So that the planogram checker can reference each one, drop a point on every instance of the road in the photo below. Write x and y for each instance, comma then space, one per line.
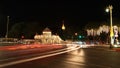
95, 57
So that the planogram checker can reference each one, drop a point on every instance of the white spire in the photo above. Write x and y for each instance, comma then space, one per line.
63, 26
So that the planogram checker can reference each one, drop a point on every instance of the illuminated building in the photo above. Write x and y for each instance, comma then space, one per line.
47, 37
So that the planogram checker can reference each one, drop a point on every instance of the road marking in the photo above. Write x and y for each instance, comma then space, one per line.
35, 58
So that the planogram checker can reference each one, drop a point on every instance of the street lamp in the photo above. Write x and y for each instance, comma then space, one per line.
109, 9
6, 36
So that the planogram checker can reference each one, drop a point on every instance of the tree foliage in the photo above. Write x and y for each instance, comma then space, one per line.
28, 30
103, 37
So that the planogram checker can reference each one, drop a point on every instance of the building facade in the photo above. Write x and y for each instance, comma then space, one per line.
47, 37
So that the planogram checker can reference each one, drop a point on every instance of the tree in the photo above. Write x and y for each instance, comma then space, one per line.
28, 30
17, 30
31, 29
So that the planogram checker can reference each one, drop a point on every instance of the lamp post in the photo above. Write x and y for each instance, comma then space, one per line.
6, 36
109, 9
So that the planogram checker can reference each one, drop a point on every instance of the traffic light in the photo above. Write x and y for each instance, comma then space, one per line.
80, 36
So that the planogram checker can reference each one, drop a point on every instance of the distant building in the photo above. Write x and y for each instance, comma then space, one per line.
47, 37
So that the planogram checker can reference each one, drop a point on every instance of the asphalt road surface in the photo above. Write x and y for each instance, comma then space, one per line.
95, 57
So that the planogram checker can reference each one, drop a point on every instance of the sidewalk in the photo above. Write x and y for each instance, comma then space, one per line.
112, 49
107, 47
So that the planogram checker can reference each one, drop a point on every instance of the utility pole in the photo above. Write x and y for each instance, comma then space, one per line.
7, 27
109, 9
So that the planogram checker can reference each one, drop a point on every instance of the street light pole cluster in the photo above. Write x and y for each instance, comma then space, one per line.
109, 9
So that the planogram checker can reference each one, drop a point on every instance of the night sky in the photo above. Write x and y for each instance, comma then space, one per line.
51, 13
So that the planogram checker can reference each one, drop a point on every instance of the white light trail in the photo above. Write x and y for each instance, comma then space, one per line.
35, 58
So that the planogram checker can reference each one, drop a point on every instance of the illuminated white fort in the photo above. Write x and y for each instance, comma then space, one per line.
47, 37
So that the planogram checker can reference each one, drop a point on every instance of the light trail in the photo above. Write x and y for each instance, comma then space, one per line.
35, 58
13, 58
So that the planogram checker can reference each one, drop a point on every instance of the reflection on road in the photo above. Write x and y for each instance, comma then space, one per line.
26, 58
